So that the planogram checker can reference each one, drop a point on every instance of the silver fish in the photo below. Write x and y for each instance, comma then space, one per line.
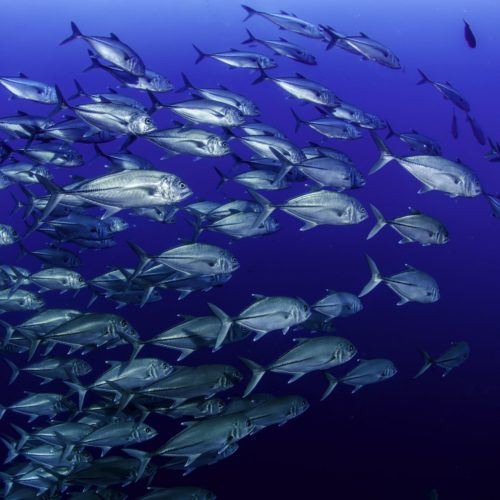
453, 357
434, 172
411, 285
338, 304
308, 355
447, 91
238, 59
415, 227
112, 49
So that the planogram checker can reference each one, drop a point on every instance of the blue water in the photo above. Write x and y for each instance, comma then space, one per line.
396, 440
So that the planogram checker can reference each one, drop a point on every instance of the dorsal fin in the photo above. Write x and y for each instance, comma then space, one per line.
23, 75
299, 75
364, 35
114, 37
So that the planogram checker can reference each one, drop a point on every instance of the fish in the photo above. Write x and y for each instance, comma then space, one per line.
238, 59
300, 87
120, 190
242, 225
223, 95
54, 278
75, 130
368, 48
208, 112
333, 128
476, 130
20, 300
124, 160
111, 49
274, 148
24, 126
267, 314
284, 48
61, 155
23, 87
257, 180
453, 357
410, 285
8, 235
324, 207
259, 128
308, 355
40, 404
447, 91
366, 372
187, 140
436, 173
354, 115
417, 142
338, 304
469, 35
288, 22
53, 256
415, 227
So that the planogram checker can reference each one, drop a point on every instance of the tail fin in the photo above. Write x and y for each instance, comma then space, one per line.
298, 120
143, 456
257, 374
250, 39
226, 323
56, 194
9, 330
223, 178
14, 368
332, 383
79, 91
381, 222
374, 280
263, 76
94, 63
13, 452
334, 36
385, 155
156, 104
187, 84
75, 33
390, 132
424, 78
428, 362
80, 389
267, 207
250, 12
144, 258
201, 54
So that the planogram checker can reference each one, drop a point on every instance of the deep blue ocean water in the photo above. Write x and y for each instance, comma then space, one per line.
396, 440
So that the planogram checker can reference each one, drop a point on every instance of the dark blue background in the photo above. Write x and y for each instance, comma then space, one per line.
396, 440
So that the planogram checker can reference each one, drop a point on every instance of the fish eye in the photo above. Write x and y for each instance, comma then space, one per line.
182, 185
148, 429
351, 348
233, 260
306, 307
80, 279
123, 322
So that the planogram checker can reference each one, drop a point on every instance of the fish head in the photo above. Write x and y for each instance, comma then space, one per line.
80, 367
39, 170
327, 97
389, 371
172, 189
72, 158
143, 432
76, 281
230, 377
353, 132
431, 293
135, 66
49, 95
357, 179
298, 406
4, 181
442, 236
159, 83
8, 235
248, 108
122, 327
31, 301
392, 60
265, 62
158, 369
242, 426
141, 123
212, 406
472, 186
300, 310
233, 117
344, 351
116, 224
271, 225
356, 212
225, 263
217, 146
307, 58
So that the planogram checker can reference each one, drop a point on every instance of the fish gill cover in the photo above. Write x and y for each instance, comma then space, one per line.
183, 186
